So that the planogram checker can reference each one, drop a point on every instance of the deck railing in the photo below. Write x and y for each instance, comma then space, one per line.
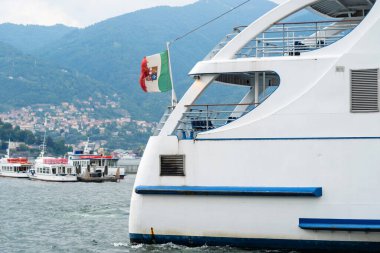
163, 120
204, 117
291, 39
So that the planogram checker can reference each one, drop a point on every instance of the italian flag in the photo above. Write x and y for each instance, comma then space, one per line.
155, 73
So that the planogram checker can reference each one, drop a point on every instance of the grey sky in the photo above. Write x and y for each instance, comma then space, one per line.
77, 13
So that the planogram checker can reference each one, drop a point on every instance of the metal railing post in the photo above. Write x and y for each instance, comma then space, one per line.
283, 39
207, 117
316, 35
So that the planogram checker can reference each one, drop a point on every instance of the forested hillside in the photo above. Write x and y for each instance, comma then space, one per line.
26, 80
15, 134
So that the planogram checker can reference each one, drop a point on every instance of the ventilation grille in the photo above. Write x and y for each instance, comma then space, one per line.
172, 165
365, 90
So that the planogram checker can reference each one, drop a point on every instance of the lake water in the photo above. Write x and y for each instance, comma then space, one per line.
72, 217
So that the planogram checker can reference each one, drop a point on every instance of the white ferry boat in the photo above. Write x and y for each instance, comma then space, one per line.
14, 167
53, 169
294, 164
89, 162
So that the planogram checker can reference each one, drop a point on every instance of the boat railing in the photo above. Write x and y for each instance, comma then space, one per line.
163, 120
204, 117
291, 38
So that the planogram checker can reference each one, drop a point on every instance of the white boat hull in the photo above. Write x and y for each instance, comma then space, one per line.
14, 174
54, 178
253, 220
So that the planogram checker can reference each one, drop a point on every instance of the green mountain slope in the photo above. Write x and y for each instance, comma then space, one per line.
24, 81
28, 38
111, 51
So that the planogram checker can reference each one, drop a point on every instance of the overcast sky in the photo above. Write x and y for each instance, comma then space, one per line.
78, 13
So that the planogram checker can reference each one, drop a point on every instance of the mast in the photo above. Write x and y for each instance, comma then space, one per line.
9, 149
44, 141
86, 146
174, 96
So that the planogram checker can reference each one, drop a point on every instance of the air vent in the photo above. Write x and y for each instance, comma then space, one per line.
172, 165
365, 90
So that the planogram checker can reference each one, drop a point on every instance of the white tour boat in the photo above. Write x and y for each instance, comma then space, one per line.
53, 169
294, 164
14, 167
90, 163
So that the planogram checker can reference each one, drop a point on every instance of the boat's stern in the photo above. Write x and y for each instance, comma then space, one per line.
149, 174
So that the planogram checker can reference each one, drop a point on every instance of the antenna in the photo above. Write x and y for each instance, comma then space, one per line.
44, 141
86, 149
8, 149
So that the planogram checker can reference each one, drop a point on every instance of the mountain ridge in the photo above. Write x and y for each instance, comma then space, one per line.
111, 51
29, 38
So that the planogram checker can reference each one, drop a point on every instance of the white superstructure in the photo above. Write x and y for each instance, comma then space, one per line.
294, 164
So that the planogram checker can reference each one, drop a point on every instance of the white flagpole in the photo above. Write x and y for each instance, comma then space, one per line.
174, 96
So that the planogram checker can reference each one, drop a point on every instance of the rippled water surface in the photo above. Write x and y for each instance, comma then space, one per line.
72, 217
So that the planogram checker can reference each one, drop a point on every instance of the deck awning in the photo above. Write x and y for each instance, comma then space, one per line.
343, 8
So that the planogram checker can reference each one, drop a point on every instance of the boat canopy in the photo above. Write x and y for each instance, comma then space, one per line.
343, 8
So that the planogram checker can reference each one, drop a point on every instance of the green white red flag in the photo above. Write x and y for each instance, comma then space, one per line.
155, 73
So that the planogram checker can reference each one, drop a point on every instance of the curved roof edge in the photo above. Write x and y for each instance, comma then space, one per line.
343, 8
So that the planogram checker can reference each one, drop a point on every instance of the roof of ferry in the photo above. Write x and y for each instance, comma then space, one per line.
343, 8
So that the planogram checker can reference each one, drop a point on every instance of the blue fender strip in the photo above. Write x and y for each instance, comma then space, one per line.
230, 191
340, 224
291, 138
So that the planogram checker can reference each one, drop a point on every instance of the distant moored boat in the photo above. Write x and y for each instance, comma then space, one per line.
14, 167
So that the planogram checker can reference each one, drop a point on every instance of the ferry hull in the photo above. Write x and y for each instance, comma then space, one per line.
221, 202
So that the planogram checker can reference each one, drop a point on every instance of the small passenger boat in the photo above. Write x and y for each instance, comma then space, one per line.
53, 169
14, 167
94, 167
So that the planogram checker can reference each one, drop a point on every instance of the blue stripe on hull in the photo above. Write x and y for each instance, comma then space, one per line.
291, 138
340, 224
253, 243
230, 191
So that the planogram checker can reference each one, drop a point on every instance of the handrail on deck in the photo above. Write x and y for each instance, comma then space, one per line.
204, 117
291, 38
